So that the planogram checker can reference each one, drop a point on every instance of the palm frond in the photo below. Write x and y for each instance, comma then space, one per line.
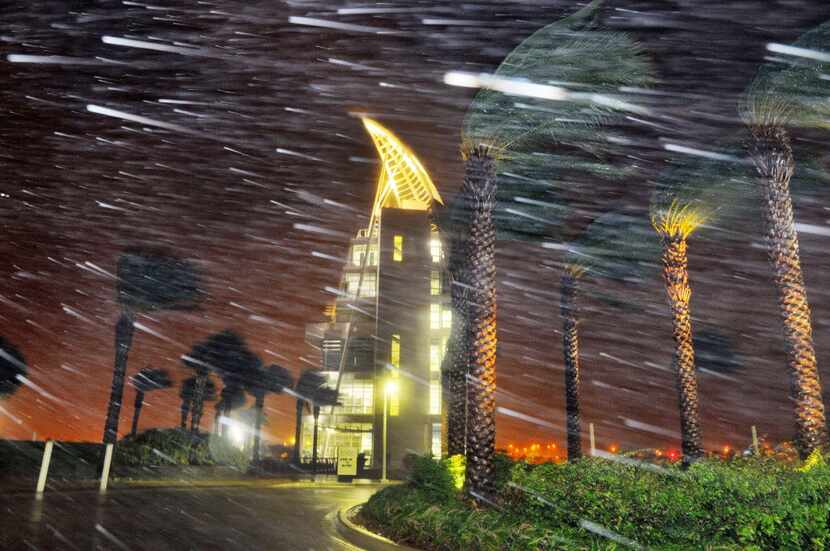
679, 220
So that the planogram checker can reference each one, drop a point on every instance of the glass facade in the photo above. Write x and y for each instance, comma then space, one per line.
435, 248
436, 439
435, 283
368, 287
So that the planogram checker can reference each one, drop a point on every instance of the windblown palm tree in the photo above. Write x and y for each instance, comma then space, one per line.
227, 355
787, 95
272, 379
147, 380
569, 310
674, 224
231, 397
187, 392
12, 368
147, 281
307, 383
509, 124
615, 247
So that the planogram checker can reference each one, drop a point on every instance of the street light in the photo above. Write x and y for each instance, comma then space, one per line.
389, 388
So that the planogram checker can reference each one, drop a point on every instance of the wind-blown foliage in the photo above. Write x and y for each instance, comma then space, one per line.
306, 386
791, 94
12, 367
148, 280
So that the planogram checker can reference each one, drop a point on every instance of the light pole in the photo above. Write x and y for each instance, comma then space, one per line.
388, 388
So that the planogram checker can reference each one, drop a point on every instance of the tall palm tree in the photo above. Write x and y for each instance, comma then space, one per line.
147, 281
307, 383
569, 310
272, 379
613, 248
186, 393
534, 138
786, 96
12, 367
674, 224
147, 380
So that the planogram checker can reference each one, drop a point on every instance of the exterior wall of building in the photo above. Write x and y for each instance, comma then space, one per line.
397, 354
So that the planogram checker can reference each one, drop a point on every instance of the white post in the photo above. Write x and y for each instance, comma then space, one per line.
755, 448
385, 398
44, 468
593, 440
105, 474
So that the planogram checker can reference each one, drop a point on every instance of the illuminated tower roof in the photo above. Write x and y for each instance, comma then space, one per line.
403, 182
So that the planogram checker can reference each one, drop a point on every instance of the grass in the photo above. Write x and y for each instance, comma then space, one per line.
743, 503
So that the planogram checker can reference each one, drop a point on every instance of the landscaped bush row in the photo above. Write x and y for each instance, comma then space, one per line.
158, 447
738, 504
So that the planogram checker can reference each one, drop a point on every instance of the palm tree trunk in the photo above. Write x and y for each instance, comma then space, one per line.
185, 409
316, 412
570, 347
123, 340
139, 402
298, 431
774, 161
676, 276
259, 405
198, 403
456, 365
481, 386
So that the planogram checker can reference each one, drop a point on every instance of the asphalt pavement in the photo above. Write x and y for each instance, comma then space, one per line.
262, 516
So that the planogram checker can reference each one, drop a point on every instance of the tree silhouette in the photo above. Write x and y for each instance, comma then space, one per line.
231, 397
12, 367
307, 383
322, 396
146, 281
147, 380
187, 392
271, 379
227, 355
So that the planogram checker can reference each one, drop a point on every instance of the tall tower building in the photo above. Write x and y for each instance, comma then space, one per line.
386, 335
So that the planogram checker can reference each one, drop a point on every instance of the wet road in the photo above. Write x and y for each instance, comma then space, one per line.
262, 517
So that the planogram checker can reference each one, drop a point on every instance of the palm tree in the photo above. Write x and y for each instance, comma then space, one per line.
615, 247
147, 281
186, 393
674, 224
785, 96
225, 353
12, 368
307, 383
272, 379
147, 380
521, 133
231, 397
570, 346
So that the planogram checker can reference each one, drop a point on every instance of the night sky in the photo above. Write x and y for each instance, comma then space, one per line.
267, 172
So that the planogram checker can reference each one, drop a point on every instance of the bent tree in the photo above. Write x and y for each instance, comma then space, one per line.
786, 96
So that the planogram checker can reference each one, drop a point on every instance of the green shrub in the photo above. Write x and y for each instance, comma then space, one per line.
157, 447
432, 477
750, 504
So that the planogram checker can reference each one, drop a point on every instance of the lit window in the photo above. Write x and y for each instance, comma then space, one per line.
435, 283
397, 248
435, 248
435, 397
435, 316
357, 254
435, 357
446, 318
373, 255
395, 351
394, 395
367, 286
436, 440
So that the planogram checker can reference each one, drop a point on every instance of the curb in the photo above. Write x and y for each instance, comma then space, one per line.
359, 536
